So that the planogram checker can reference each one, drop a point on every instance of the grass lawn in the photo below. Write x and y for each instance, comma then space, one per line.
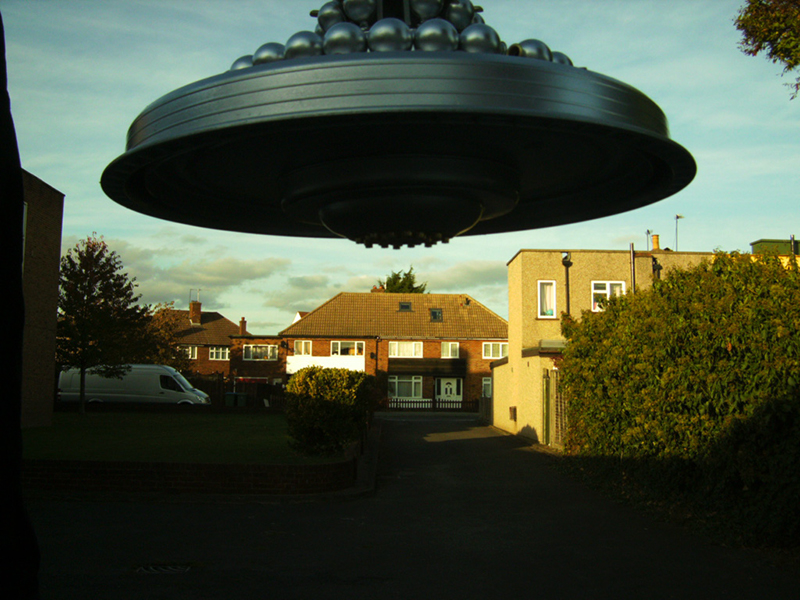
164, 437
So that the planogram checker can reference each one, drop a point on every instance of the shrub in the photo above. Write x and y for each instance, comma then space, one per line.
328, 409
700, 370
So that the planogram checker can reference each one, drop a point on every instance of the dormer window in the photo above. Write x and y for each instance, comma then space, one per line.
405, 307
436, 315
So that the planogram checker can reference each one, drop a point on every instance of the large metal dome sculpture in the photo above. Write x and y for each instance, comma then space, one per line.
398, 122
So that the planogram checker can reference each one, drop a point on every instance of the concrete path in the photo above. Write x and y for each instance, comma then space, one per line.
459, 511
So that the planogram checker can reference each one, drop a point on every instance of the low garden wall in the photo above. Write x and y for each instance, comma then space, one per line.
69, 475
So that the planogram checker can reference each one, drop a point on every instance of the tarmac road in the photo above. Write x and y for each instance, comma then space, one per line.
459, 511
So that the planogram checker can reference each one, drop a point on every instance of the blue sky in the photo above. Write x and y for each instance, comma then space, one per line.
80, 71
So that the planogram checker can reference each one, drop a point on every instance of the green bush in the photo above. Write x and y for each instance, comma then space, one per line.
328, 409
700, 370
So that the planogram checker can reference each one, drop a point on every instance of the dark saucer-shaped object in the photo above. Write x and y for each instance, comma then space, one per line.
398, 148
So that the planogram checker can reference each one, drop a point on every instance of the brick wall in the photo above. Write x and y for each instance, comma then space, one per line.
44, 209
270, 369
64, 475
205, 366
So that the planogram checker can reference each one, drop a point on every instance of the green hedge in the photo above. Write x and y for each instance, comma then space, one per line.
328, 409
699, 378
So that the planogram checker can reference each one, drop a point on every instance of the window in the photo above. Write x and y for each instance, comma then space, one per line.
405, 349
436, 315
405, 386
302, 347
219, 353
260, 352
449, 349
347, 348
486, 389
190, 352
168, 383
547, 300
603, 290
495, 349
405, 307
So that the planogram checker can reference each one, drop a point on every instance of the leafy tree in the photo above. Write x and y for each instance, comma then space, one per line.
773, 27
403, 282
100, 326
161, 339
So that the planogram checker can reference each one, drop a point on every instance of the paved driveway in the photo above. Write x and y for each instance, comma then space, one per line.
460, 511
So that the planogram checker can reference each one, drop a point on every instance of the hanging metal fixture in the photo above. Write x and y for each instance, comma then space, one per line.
397, 123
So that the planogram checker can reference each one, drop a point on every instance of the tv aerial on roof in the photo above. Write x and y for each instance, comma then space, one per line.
398, 123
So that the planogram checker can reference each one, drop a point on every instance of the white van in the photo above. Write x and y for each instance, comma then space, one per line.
143, 383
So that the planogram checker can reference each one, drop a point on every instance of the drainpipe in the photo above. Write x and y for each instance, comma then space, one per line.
567, 262
633, 270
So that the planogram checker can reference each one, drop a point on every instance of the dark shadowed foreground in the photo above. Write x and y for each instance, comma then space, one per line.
460, 511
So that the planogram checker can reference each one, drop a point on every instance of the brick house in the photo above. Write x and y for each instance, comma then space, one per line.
432, 351
543, 284
206, 340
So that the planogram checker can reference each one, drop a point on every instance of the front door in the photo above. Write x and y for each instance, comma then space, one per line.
448, 392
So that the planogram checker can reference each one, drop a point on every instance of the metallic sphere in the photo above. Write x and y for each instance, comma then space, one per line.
479, 37
344, 38
436, 35
359, 10
531, 49
427, 9
243, 62
460, 13
329, 14
390, 35
303, 43
269, 52
478, 18
562, 59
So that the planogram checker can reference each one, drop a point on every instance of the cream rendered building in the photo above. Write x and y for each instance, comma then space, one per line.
543, 284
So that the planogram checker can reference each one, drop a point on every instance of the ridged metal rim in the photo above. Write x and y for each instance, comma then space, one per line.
183, 149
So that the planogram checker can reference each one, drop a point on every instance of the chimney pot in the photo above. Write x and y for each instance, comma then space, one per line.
656, 245
243, 327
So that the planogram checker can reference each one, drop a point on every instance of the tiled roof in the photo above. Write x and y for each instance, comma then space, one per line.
379, 314
213, 329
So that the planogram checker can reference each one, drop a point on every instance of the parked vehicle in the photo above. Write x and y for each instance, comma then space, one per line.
142, 383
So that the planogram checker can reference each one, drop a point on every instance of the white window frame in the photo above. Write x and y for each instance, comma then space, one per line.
219, 353
405, 349
603, 290
495, 350
450, 349
414, 380
486, 387
190, 352
545, 297
302, 347
249, 353
336, 347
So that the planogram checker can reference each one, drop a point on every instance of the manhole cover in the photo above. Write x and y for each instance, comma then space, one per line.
162, 569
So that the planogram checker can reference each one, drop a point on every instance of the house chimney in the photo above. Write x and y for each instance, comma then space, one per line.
242, 327
195, 312
655, 242
376, 289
